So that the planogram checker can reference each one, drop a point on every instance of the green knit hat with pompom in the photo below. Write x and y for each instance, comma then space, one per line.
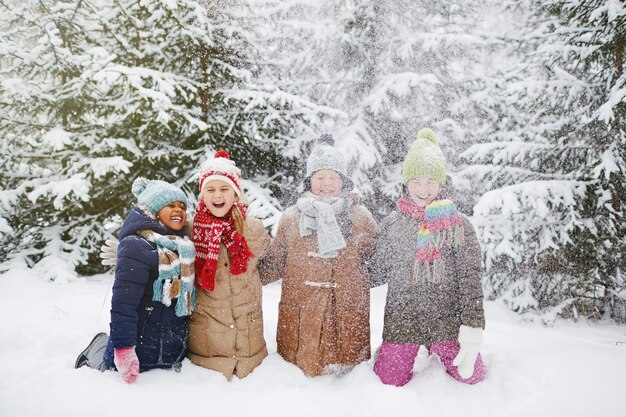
425, 159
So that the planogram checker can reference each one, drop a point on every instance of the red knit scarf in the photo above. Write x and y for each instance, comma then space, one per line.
208, 233
409, 207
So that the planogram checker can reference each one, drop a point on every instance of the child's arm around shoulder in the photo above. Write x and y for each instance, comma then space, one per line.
258, 236
133, 263
272, 265
363, 219
380, 265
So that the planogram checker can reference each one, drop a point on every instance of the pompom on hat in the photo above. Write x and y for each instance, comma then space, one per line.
425, 159
153, 195
325, 156
222, 168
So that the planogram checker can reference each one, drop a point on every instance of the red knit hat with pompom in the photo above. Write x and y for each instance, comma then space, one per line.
222, 168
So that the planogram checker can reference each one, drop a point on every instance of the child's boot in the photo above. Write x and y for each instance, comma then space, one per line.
93, 355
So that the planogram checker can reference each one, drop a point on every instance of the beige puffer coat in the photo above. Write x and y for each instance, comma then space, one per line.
226, 327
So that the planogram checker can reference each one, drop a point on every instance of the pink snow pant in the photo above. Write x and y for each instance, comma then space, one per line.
394, 364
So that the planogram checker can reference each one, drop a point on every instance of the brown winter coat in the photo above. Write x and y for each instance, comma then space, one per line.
226, 327
423, 313
318, 326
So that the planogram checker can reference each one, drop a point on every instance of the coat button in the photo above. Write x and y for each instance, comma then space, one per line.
232, 326
225, 263
234, 356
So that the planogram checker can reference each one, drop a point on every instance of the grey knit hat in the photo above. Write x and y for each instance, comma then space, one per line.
326, 156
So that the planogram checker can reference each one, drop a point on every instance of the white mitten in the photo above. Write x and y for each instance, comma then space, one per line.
470, 339
109, 252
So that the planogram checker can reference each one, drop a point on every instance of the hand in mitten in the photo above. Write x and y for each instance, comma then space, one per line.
109, 252
127, 363
470, 339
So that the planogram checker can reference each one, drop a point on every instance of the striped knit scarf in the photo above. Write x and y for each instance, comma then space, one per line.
176, 272
440, 225
208, 233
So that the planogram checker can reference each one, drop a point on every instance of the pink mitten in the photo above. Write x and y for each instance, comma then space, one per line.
127, 363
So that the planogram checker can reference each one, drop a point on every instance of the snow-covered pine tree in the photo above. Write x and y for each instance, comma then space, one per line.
327, 52
281, 115
128, 88
430, 72
388, 68
293, 38
47, 112
550, 219
595, 36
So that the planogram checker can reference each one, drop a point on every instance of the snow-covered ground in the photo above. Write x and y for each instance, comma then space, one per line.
568, 369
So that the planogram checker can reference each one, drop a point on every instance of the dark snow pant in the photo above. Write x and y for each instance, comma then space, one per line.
394, 364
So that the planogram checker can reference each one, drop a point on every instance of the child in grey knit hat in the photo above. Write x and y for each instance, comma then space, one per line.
319, 252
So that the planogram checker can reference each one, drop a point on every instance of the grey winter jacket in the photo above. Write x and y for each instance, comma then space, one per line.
426, 312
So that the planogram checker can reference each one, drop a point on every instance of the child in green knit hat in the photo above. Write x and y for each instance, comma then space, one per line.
429, 255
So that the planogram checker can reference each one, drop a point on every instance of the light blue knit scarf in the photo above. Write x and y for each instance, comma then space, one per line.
176, 271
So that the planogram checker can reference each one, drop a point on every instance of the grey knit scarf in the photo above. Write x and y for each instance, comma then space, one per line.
319, 215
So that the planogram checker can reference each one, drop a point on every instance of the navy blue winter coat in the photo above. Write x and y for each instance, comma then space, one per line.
159, 336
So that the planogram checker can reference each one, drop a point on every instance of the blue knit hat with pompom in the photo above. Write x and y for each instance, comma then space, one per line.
155, 194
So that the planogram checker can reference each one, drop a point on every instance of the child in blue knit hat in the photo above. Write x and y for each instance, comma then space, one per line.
226, 326
153, 292
429, 255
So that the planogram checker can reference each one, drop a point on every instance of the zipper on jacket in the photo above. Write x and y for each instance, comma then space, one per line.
149, 309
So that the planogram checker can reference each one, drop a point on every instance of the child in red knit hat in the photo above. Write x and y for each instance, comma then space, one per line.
226, 327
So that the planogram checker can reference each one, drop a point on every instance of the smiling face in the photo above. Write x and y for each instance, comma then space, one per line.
218, 197
423, 191
173, 216
326, 183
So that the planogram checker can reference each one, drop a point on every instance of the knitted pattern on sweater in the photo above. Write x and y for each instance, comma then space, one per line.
209, 232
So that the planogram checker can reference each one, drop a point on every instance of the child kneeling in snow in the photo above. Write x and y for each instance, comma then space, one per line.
429, 255
320, 251
153, 291
226, 327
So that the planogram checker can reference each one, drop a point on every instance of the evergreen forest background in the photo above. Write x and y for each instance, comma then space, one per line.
528, 98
